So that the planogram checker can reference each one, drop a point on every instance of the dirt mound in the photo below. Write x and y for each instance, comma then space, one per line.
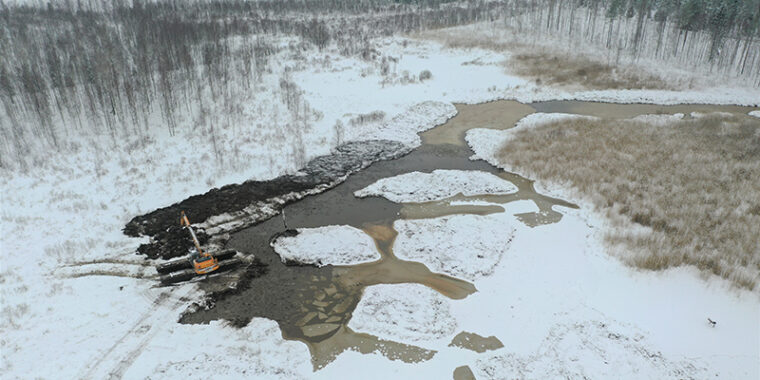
324, 170
168, 240
173, 242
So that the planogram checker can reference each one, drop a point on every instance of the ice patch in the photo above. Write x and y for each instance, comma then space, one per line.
754, 113
440, 184
463, 246
335, 245
403, 312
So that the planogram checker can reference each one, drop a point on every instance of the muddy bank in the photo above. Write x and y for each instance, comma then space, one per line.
252, 197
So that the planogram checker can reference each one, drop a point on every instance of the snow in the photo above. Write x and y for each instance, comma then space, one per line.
222, 352
715, 95
90, 192
587, 350
70, 277
699, 115
565, 308
403, 312
329, 245
754, 113
98, 315
570, 278
405, 126
360, 89
696, 85
440, 184
659, 120
463, 246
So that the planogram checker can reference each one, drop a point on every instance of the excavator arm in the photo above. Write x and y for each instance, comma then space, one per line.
194, 265
186, 223
204, 263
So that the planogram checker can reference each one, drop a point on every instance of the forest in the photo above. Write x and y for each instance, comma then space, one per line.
719, 35
125, 67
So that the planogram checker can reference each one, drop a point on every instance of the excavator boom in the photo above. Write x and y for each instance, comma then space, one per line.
186, 223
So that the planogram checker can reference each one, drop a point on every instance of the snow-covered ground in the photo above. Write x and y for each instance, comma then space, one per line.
220, 352
631, 296
463, 246
440, 184
336, 245
68, 213
564, 308
395, 312
754, 113
683, 82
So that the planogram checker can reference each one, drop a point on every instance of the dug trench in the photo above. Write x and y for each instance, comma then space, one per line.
314, 304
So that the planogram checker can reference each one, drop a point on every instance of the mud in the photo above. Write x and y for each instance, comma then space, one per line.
172, 242
493, 115
314, 304
392, 270
347, 339
325, 171
463, 373
287, 294
475, 342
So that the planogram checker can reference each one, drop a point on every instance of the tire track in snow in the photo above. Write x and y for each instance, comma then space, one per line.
120, 356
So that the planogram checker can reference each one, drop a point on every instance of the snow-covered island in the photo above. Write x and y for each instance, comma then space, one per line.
440, 184
335, 245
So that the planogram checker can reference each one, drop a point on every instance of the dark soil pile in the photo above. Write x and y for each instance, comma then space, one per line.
175, 241
162, 225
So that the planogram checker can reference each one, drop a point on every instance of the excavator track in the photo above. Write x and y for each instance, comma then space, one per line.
198, 263
185, 263
188, 274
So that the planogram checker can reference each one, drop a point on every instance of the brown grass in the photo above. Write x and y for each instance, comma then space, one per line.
566, 70
548, 67
693, 185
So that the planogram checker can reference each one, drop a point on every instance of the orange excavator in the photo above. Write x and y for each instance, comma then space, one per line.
203, 263
197, 263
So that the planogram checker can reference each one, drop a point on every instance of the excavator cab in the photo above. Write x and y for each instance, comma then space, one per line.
205, 264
